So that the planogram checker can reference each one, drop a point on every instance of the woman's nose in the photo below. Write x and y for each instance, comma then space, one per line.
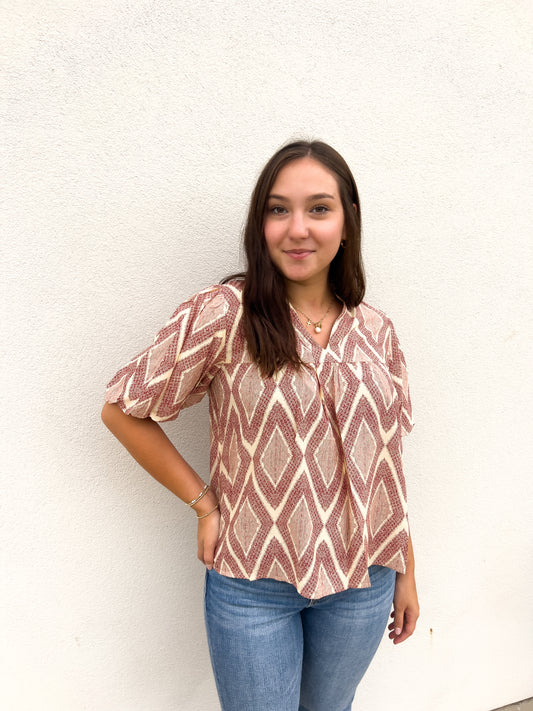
298, 226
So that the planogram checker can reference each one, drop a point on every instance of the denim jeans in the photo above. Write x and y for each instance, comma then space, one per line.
274, 650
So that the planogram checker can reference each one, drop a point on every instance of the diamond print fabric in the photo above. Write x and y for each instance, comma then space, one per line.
307, 465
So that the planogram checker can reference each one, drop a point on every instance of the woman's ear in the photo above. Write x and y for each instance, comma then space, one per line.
354, 207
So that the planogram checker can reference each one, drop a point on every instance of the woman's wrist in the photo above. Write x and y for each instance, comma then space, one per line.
207, 504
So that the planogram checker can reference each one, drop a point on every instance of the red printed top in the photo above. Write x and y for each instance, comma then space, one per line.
307, 465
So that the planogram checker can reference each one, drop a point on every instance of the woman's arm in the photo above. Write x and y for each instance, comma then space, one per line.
405, 605
150, 447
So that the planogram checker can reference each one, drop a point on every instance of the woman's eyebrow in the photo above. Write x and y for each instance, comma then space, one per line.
317, 196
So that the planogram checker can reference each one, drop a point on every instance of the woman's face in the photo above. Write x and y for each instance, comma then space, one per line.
304, 221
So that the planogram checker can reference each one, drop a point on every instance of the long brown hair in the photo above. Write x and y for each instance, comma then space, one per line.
269, 333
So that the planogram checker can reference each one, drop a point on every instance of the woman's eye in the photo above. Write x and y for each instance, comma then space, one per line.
320, 209
278, 210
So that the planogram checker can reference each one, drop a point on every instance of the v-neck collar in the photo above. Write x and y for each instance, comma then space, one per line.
335, 334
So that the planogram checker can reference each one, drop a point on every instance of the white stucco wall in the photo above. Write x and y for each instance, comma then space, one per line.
134, 131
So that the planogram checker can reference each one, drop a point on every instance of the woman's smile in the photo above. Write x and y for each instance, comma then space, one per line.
299, 253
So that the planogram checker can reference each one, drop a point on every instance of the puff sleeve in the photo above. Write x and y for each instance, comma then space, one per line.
177, 369
398, 371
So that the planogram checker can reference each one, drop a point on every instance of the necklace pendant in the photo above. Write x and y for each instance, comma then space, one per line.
317, 325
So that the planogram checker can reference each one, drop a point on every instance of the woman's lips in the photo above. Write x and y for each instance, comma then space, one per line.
298, 253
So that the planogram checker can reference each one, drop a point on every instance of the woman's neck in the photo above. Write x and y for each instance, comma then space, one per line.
313, 297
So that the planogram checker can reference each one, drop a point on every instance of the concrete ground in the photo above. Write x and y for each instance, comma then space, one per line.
526, 705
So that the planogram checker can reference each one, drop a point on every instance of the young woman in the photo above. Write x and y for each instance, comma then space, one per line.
303, 528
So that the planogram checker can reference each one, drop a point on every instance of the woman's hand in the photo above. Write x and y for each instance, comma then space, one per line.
405, 604
405, 608
208, 532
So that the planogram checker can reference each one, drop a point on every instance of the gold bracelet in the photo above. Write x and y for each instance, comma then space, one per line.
200, 495
207, 514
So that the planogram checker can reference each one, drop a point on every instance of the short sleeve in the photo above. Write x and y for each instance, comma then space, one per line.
177, 369
398, 371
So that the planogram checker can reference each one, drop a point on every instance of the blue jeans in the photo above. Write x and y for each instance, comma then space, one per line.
274, 650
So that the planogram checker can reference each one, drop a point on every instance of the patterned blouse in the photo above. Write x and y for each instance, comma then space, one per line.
307, 465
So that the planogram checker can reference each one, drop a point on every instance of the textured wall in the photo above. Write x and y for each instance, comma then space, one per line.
133, 134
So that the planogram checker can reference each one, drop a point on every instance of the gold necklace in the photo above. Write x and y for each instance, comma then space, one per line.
316, 324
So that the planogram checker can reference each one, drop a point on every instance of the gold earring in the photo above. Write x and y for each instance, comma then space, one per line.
343, 243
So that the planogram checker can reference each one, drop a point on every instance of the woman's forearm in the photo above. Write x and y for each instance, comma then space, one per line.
410, 564
150, 447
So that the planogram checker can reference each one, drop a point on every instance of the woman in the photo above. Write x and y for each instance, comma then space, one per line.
303, 529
